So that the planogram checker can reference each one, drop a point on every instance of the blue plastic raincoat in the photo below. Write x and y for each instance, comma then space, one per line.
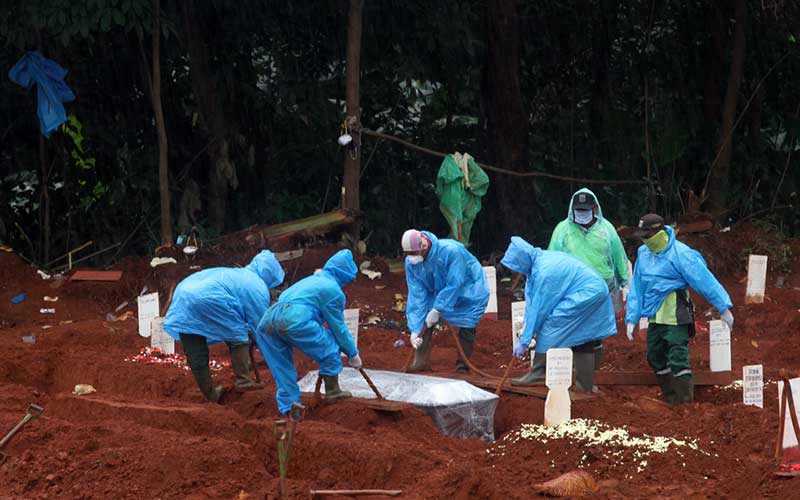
450, 280
51, 90
222, 303
677, 267
296, 320
566, 302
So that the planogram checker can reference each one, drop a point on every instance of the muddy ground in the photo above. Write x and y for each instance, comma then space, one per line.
145, 433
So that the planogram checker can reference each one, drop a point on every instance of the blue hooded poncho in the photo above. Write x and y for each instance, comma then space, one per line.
566, 302
223, 303
52, 92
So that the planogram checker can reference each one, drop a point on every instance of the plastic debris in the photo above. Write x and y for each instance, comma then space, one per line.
399, 303
43, 274
18, 298
50, 299
399, 343
47, 310
29, 339
725, 229
372, 320
366, 271
121, 306
47, 327
380, 287
83, 389
158, 261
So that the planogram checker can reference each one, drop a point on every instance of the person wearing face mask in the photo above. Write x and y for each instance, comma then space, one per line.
444, 281
588, 236
665, 270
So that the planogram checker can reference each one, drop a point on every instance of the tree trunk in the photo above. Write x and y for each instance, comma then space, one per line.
712, 64
222, 172
599, 118
506, 120
163, 172
352, 161
718, 186
44, 202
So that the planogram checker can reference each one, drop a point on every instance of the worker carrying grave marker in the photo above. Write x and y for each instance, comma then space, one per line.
444, 281
587, 235
296, 320
567, 304
460, 185
222, 304
665, 269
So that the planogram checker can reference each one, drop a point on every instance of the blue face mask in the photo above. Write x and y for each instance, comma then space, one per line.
414, 259
583, 216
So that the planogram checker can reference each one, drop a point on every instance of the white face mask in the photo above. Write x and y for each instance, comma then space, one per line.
414, 259
583, 216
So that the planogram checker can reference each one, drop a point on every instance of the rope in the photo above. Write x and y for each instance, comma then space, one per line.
498, 169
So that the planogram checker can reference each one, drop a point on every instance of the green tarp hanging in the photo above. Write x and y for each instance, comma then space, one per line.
460, 185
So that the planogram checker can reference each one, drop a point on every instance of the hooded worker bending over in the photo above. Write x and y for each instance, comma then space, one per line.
444, 281
296, 320
567, 304
222, 304
665, 270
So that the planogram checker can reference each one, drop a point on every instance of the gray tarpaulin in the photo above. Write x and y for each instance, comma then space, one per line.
458, 408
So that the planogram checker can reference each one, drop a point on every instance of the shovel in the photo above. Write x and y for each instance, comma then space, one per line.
34, 411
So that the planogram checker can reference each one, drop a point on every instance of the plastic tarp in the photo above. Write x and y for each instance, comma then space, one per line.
458, 408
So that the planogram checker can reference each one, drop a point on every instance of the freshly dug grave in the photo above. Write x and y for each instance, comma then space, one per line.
145, 433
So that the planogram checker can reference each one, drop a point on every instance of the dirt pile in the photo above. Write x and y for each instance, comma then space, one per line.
146, 434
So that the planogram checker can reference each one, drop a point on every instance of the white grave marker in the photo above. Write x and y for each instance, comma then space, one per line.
756, 279
791, 452
559, 368
351, 319
491, 282
719, 338
160, 338
558, 379
753, 382
517, 321
148, 309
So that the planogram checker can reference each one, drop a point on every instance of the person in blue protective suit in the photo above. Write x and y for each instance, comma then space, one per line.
567, 304
444, 281
665, 270
297, 320
222, 304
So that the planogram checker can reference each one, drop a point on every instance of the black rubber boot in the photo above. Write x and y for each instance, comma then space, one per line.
537, 374
584, 371
422, 356
466, 336
332, 390
196, 350
684, 389
240, 362
667, 389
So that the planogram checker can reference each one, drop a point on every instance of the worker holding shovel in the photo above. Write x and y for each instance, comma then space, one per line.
567, 304
222, 304
444, 281
665, 270
296, 320
589, 236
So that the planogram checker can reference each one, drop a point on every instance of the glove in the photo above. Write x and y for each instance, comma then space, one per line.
416, 340
432, 318
520, 350
727, 317
629, 331
355, 361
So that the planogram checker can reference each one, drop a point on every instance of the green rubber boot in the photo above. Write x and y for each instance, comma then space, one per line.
684, 389
537, 374
466, 337
240, 362
333, 392
667, 388
422, 356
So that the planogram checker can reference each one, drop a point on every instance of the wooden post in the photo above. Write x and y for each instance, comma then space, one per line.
352, 161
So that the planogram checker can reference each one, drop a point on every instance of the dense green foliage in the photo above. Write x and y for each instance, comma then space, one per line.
277, 69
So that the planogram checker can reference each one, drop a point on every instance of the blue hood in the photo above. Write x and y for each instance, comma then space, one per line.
341, 267
520, 256
267, 267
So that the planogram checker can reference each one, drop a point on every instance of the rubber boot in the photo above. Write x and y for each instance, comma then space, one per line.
240, 362
584, 371
598, 355
537, 374
332, 390
422, 356
466, 336
667, 389
211, 392
684, 389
